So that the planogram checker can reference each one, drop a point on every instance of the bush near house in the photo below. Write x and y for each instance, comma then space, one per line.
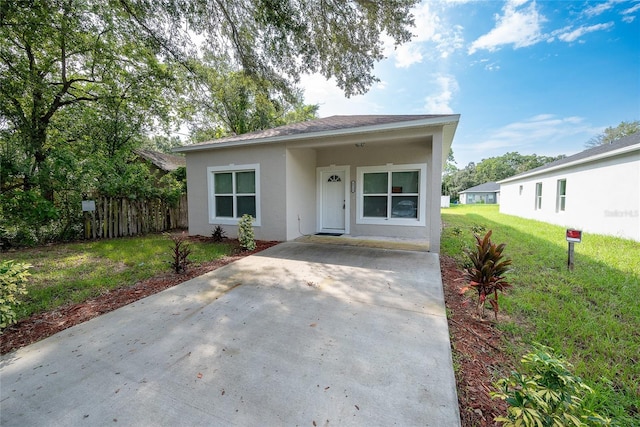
13, 280
590, 314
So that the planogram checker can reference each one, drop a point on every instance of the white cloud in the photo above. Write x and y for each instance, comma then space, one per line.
439, 103
632, 9
537, 133
331, 99
432, 39
627, 13
580, 31
517, 27
598, 9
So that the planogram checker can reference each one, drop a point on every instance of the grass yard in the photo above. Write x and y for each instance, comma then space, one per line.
590, 315
75, 272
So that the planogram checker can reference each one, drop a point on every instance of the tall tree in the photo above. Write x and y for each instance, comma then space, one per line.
234, 103
58, 53
491, 169
611, 134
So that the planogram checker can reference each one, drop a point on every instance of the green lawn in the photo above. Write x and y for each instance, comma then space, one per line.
75, 272
590, 315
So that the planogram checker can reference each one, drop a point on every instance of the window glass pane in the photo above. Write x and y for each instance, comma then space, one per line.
246, 182
224, 206
563, 187
375, 206
246, 205
562, 203
404, 182
376, 183
404, 207
223, 183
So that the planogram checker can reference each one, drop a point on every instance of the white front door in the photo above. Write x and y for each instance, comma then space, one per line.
333, 199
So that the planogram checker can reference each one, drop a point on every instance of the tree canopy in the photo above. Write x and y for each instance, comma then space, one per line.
490, 170
84, 82
611, 134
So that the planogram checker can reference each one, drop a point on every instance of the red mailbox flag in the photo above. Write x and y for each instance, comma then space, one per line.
574, 235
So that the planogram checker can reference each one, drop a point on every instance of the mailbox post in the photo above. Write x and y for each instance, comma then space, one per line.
573, 236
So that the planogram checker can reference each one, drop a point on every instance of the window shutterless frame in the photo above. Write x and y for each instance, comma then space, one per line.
391, 195
233, 191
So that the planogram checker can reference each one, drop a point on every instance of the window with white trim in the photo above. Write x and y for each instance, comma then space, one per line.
392, 195
562, 193
538, 195
233, 191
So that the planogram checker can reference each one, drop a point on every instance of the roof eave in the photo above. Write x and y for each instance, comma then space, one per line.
452, 119
608, 154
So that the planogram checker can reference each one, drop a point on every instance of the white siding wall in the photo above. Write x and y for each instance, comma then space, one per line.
601, 197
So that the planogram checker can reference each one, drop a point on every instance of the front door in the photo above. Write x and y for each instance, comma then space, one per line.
333, 201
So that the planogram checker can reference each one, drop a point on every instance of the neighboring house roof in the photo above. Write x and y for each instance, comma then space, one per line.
487, 187
165, 162
328, 126
620, 146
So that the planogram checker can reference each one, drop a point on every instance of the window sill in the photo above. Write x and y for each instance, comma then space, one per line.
230, 221
392, 221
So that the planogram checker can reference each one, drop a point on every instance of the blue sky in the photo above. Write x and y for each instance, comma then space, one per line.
537, 77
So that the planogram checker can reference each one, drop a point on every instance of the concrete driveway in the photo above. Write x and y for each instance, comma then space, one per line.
301, 334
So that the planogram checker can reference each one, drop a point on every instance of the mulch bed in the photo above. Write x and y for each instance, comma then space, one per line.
476, 350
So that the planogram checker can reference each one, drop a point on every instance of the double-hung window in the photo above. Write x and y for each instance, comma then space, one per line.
393, 194
562, 192
233, 192
538, 195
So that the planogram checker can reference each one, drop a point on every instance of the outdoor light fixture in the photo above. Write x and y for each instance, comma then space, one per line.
359, 144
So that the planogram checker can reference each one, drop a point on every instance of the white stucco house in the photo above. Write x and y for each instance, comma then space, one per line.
373, 175
488, 193
596, 190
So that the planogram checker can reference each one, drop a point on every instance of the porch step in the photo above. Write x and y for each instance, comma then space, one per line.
369, 242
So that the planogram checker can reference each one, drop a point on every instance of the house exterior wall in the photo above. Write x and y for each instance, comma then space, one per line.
288, 183
272, 161
301, 192
602, 197
475, 198
377, 155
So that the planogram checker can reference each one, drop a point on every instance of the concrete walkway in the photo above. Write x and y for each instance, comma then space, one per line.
300, 334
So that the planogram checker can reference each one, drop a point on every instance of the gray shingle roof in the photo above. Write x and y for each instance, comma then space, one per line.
585, 155
165, 162
487, 187
322, 125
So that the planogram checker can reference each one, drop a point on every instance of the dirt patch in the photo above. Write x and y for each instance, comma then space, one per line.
48, 323
475, 343
478, 358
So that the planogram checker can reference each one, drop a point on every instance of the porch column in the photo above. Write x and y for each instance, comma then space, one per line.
433, 204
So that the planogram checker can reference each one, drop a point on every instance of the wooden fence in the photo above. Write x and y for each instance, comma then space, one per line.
118, 217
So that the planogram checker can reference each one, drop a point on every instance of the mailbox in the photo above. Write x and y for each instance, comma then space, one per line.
574, 235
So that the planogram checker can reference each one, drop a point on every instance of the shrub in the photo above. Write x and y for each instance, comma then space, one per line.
487, 270
546, 395
13, 280
218, 234
180, 252
245, 233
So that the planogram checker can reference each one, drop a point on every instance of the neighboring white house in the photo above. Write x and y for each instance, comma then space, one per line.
358, 175
596, 190
489, 193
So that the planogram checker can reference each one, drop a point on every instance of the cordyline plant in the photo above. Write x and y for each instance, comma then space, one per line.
180, 251
486, 274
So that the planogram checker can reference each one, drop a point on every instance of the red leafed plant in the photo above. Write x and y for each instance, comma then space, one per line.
486, 274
